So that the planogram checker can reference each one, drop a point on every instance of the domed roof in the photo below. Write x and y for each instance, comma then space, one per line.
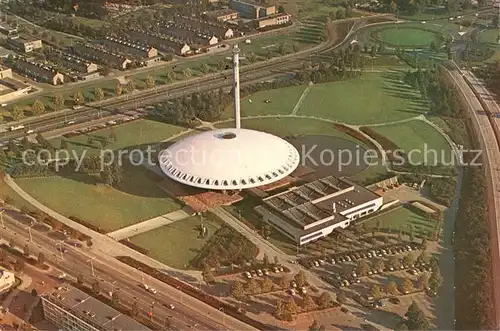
229, 159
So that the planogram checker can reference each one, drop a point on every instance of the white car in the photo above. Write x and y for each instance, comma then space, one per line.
30, 131
423, 22
248, 275
152, 290
171, 306
259, 272
71, 122
62, 276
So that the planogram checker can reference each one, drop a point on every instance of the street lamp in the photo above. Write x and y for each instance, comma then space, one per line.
60, 244
1, 217
29, 231
92, 265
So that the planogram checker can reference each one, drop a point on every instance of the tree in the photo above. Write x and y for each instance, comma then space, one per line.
58, 102
267, 285
308, 303
341, 298
362, 268
187, 73
64, 144
134, 311
325, 300
393, 262
78, 98
423, 257
416, 319
208, 275
41, 258
26, 250
3, 156
435, 281
112, 135
118, 88
265, 261
38, 108
279, 310
276, 260
375, 291
379, 265
407, 286
130, 87
423, 281
408, 259
96, 287
300, 278
204, 68
150, 81
98, 94
283, 282
291, 307
392, 288
19, 266
252, 286
80, 279
115, 298
16, 113
167, 323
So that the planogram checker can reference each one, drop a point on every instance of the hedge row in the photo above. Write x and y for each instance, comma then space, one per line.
357, 135
129, 244
390, 147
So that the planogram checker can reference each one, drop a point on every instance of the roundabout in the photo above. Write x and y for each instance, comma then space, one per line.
407, 36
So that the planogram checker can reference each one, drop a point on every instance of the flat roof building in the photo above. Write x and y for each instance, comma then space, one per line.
222, 15
24, 43
313, 210
272, 20
250, 9
68, 308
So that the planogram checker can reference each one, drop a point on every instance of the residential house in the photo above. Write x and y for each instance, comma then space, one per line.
8, 30
5, 72
144, 54
272, 20
79, 68
164, 43
218, 30
222, 15
39, 72
194, 39
250, 9
24, 43
101, 55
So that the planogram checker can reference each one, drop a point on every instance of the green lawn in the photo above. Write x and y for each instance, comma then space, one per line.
178, 243
136, 198
407, 36
420, 137
401, 219
132, 134
373, 98
284, 127
282, 102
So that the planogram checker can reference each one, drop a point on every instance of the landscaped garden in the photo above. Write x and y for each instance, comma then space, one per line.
177, 244
136, 198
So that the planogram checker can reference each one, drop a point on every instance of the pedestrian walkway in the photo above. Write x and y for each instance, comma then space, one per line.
148, 225
302, 98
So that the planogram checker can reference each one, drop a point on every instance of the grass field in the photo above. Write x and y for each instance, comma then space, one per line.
135, 199
373, 98
136, 133
178, 243
420, 137
401, 219
282, 102
284, 127
407, 36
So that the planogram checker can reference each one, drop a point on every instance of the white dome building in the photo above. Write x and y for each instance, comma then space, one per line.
229, 159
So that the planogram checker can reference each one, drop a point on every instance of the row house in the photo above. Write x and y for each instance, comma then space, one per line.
164, 43
100, 55
193, 38
38, 72
80, 68
218, 30
145, 54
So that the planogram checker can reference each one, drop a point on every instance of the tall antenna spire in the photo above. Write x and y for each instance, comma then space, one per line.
236, 76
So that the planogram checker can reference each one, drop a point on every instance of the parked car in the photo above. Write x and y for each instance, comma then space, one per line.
247, 275
260, 273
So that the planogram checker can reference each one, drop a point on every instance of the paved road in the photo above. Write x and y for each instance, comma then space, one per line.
489, 145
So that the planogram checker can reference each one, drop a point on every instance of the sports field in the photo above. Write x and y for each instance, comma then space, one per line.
178, 243
428, 145
373, 98
136, 133
407, 36
136, 198
401, 219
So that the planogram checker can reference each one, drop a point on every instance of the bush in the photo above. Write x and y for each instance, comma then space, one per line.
88, 225
391, 149
134, 246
